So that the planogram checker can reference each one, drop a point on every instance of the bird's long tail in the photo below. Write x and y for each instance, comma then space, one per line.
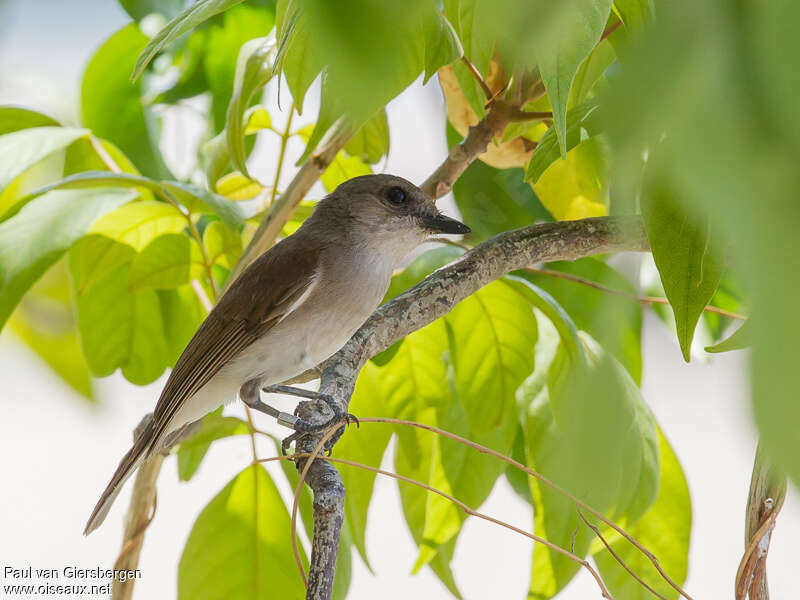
129, 463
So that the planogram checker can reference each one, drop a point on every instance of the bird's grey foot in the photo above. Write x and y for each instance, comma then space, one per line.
250, 396
301, 426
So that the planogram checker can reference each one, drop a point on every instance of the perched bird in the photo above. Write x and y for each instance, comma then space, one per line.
290, 310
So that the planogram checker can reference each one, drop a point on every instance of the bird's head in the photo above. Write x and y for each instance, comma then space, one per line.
388, 209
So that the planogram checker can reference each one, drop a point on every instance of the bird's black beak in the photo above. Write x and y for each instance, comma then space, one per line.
443, 224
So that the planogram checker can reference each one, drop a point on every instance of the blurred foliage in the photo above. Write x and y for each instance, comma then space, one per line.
682, 112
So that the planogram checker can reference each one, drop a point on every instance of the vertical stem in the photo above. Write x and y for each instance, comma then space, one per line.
764, 501
142, 508
284, 139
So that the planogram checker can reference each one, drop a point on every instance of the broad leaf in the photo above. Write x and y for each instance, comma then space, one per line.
111, 105
167, 262
614, 320
45, 322
371, 142
576, 187
589, 431
37, 236
14, 118
249, 520
122, 329
181, 313
579, 29
382, 43
20, 150
190, 18
442, 45
636, 14
459, 373
496, 200
138, 223
296, 56
253, 70
139, 9
738, 340
222, 245
581, 124
225, 36
214, 427
686, 257
664, 530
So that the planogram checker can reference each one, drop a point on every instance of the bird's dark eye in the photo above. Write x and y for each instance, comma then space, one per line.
396, 196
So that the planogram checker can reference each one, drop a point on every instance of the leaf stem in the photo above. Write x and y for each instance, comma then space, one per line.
641, 299
487, 91
287, 133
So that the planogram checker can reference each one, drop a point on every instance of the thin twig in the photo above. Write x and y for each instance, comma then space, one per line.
539, 477
610, 30
487, 91
617, 557
104, 155
282, 153
640, 299
555, 547
315, 455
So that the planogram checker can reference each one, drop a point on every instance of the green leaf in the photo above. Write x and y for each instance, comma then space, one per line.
119, 328
577, 187
223, 43
580, 27
360, 40
14, 118
223, 246
190, 18
253, 70
249, 520
685, 254
181, 313
138, 223
371, 142
590, 432
738, 340
635, 14
341, 169
664, 530
111, 105
496, 200
459, 373
590, 74
45, 322
139, 9
582, 123
296, 56
442, 45
37, 236
615, 321
20, 150
214, 427
197, 199
166, 262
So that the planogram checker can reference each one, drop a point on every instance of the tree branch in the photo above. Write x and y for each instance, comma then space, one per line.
461, 155
764, 502
430, 299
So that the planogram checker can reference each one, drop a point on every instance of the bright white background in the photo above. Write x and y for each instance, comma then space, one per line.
57, 452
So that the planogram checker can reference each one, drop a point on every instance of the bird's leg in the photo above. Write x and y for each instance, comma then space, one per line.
250, 395
302, 427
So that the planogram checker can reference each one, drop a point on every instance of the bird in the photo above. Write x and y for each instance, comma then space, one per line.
290, 310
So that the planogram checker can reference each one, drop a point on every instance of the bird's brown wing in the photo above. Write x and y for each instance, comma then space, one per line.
262, 295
